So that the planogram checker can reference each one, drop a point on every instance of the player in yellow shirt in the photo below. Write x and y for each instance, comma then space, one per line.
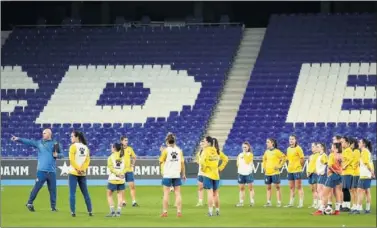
211, 168
366, 175
296, 160
356, 174
273, 161
116, 164
79, 158
130, 159
312, 174
347, 173
245, 167
321, 166
334, 179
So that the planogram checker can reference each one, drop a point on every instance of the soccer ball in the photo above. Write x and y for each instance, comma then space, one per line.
328, 211
171, 189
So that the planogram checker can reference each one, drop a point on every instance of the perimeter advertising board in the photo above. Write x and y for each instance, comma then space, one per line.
144, 169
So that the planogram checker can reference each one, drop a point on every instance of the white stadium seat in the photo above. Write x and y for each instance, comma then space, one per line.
158, 79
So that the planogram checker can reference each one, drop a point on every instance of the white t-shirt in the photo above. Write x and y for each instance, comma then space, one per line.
173, 162
319, 166
364, 171
82, 152
244, 168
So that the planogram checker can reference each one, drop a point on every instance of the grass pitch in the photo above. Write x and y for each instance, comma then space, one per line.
14, 212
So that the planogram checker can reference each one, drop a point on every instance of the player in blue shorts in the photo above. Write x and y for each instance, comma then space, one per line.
211, 168
130, 159
348, 170
116, 182
312, 174
245, 167
273, 161
321, 168
356, 173
334, 179
295, 159
366, 175
173, 172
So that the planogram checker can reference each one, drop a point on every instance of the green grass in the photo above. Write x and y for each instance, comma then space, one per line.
14, 212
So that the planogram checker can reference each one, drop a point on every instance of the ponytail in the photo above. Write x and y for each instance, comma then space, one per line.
121, 150
353, 142
368, 144
216, 145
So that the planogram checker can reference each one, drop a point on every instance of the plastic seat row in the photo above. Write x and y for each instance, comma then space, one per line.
316, 57
74, 54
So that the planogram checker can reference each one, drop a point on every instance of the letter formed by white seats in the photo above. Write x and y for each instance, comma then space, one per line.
321, 89
15, 78
76, 97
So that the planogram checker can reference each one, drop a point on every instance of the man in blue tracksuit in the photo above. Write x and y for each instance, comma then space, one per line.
48, 151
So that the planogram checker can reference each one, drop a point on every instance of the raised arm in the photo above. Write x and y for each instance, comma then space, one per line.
29, 142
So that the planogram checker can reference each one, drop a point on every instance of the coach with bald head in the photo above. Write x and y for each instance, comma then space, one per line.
48, 151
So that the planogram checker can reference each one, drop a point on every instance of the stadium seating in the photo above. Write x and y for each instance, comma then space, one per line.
315, 77
108, 82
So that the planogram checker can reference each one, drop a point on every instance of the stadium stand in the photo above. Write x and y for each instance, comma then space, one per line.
107, 82
315, 77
